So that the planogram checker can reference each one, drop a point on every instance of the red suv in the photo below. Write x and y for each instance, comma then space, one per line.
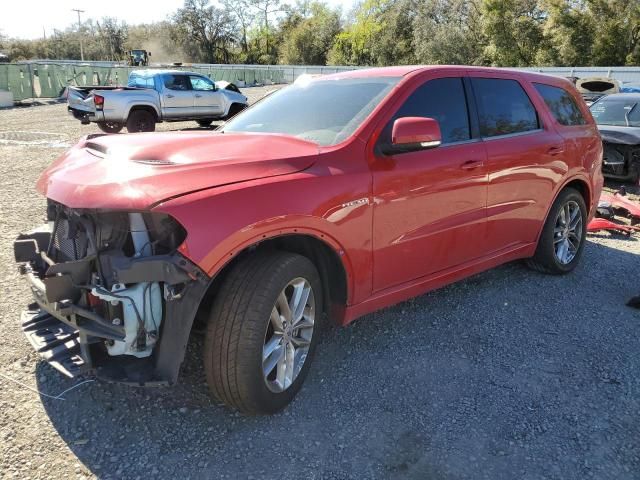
333, 197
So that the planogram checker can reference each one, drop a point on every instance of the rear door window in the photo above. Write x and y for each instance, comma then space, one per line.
504, 108
442, 99
561, 104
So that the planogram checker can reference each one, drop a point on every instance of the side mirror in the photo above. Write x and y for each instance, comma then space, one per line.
148, 54
414, 133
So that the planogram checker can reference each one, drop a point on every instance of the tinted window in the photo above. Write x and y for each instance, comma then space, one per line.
322, 111
201, 84
442, 99
177, 82
503, 107
561, 103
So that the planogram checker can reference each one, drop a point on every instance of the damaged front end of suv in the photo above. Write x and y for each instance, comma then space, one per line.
112, 294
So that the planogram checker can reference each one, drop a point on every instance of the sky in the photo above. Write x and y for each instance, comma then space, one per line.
19, 21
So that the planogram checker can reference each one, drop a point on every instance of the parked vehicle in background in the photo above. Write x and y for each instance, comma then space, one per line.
153, 96
329, 198
4, 58
138, 58
618, 119
592, 88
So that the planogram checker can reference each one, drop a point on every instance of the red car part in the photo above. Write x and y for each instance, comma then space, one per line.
618, 201
599, 224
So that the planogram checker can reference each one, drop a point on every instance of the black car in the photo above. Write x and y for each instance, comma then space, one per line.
618, 119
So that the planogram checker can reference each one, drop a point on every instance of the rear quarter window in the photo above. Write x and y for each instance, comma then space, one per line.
504, 107
562, 105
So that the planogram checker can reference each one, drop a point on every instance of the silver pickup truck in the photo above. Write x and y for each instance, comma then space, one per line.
153, 96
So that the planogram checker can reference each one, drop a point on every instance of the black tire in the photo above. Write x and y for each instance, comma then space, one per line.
234, 109
545, 259
205, 123
141, 121
239, 324
110, 127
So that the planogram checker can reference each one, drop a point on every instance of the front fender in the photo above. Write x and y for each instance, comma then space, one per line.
224, 221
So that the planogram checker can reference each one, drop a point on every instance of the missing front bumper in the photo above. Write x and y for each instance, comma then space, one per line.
70, 334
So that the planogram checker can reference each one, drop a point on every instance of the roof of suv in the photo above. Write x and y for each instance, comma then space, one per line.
404, 70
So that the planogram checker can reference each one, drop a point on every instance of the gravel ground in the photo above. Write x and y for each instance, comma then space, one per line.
509, 374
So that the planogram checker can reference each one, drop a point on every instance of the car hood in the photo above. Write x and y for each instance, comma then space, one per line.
620, 135
136, 171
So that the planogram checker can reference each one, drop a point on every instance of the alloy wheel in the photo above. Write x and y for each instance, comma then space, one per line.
288, 335
567, 233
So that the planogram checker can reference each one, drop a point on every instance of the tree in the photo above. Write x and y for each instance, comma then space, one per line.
112, 37
449, 32
308, 33
242, 13
514, 31
265, 9
205, 31
569, 31
617, 33
355, 46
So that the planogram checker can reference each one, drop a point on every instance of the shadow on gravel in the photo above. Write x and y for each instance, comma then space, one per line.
509, 374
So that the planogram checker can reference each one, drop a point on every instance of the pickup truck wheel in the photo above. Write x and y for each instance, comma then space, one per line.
110, 127
205, 123
141, 121
262, 332
562, 240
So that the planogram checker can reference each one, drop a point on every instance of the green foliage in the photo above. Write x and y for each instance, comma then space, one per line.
356, 45
514, 31
308, 33
449, 32
375, 32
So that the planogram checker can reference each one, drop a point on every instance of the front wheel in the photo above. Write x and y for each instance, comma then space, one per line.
110, 127
262, 332
562, 239
205, 122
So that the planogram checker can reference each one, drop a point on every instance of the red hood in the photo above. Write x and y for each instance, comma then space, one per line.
139, 170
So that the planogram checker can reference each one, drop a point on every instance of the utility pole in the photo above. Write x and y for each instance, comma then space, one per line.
79, 31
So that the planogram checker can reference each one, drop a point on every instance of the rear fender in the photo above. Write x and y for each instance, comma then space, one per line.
137, 104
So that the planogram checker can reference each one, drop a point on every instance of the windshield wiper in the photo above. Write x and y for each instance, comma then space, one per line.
627, 113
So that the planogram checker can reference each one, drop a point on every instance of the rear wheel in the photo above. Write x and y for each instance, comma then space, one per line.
110, 127
205, 123
562, 240
141, 121
262, 332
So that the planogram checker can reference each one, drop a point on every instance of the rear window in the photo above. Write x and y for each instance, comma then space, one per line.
561, 104
504, 107
140, 82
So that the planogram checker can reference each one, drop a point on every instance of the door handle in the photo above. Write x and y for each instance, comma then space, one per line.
555, 150
198, 96
472, 164
169, 95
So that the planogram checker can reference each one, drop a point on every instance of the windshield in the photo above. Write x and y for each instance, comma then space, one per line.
325, 112
621, 112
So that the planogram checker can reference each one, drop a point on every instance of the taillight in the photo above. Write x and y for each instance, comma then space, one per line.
98, 100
